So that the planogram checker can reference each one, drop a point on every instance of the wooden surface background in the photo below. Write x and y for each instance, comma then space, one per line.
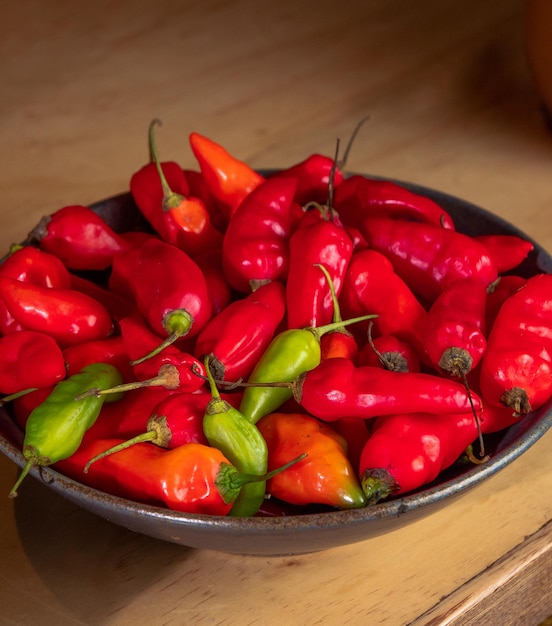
451, 105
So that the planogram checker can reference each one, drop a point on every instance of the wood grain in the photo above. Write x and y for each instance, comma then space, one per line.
452, 106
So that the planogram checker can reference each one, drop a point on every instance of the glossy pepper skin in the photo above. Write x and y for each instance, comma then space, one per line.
319, 239
169, 290
391, 353
111, 350
256, 243
358, 197
454, 335
30, 264
67, 315
325, 476
56, 427
429, 258
80, 238
406, 451
371, 285
29, 359
193, 478
290, 354
337, 388
230, 179
516, 369
507, 251
242, 443
236, 338
187, 223
313, 176
497, 293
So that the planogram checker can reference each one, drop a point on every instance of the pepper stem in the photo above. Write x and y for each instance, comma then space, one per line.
157, 433
168, 377
25, 471
327, 328
18, 394
216, 404
177, 323
171, 199
229, 480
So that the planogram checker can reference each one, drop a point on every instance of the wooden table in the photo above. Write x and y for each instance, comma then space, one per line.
451, 106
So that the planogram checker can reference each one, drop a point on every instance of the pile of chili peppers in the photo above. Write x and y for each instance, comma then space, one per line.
270, 343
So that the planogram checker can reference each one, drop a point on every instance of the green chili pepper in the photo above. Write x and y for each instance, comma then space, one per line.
55, 428
291, 353
241, 443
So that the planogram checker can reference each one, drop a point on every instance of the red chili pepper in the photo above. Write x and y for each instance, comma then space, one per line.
29, 359
23, 405
188, 223
501, 289
325, 476
8, 324
220, 292
390, 353
177, 420
255, 246
371, 285
116, 305
454, 334
79, 237
355, 432
237, 337
313, 176
506, 251
32, 265
68, 316
405, 452
230, 179
319, 239
337, 388
111, 350
139, 339
358, 197
169, 290
128, 416
429, 258
516, 369
193, 478
200, 189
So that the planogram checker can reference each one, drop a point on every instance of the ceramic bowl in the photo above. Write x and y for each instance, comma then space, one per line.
308, 530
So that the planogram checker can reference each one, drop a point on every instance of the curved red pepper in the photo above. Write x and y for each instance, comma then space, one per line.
29, 359
358, 197
182, 479
229, 179
80, 238
497, 293
325, 476
111, 350
506, 251
67, 315
169, 290
372, 286
220, 292
238, 336
391, 353
184, 219
516, 369
429, 258
405, 452
454, 334
30, 264
255, 246
313, 178
337, 388
319, 239
171, 362
117, 305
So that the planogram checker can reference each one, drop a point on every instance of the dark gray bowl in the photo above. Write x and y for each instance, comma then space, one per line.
307, 531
